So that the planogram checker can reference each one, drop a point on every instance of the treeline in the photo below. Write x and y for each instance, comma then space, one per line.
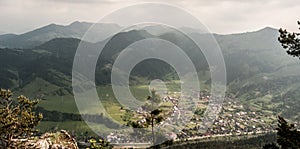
232, 142
57, 116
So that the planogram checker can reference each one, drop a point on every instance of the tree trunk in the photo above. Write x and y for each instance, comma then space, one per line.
152, 126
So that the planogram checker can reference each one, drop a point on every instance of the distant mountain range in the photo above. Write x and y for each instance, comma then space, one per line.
257, 66
52, 31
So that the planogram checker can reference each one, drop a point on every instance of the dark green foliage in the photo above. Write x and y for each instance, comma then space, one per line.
271, 146
100, 144
155, 112
227, 142
127, 117
199, 111
57, 116
288, 136
12, 62
17, 119
290, 41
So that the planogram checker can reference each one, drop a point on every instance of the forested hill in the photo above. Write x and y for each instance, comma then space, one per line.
43, 34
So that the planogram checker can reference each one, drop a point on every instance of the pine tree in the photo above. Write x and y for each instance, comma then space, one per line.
290, 41
152, 117
271, 146
17, 119
288, 136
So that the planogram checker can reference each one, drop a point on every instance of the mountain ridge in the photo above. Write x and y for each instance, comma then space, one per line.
40, 35
77, 29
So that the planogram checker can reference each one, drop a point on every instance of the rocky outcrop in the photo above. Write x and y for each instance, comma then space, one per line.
58, 140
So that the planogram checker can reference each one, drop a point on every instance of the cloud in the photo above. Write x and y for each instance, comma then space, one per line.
224, 16
240, 16
89, 1
75, 1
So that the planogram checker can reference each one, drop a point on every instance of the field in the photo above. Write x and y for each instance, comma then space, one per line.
77, 127
67, 104
54, 98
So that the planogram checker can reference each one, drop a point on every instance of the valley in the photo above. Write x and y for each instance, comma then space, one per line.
262, 81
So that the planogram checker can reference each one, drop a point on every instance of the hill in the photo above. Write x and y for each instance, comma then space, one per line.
38, 36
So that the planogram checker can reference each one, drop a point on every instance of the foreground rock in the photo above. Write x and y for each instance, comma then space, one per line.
58, 140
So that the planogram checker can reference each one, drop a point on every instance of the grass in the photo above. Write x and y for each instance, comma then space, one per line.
115, 112
60, 103
67, 104
37, 87
76, 126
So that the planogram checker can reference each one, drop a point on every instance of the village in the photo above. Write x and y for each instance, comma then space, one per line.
234, 118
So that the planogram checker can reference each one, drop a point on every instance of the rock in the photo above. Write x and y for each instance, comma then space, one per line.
58, 140
42, 144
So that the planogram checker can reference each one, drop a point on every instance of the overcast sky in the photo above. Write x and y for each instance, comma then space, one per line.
219, 16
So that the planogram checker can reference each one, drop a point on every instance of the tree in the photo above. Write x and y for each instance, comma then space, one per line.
152, 117
101, 144
271, 146
290, 41
17, 119
287, 136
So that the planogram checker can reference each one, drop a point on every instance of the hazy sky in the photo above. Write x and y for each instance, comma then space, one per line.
220, 16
